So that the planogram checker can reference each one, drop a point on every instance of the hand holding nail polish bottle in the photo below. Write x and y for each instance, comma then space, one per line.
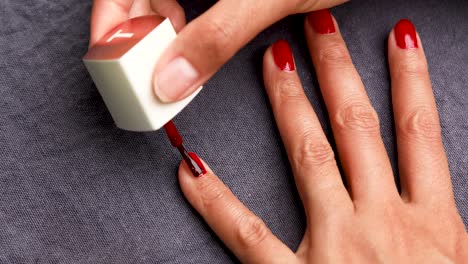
122, 65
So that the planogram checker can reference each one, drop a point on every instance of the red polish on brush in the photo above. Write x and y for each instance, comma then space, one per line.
192, 160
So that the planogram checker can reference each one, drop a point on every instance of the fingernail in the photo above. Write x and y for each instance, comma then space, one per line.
321, 21
405, 34
194, 163
197, 167
175, 79
283, 56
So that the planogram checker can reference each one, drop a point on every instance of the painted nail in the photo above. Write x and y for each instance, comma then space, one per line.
321, 21
175, 79
193, 162
283, 55
405, 34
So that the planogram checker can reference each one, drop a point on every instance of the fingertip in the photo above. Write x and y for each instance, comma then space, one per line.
187, 179
405, 49
266, 56
321, 30
404, 40
268, 68
176, 80
283, 56
321, 22
186, 172
204, 190
267, 61
105, 15
172, 10
279, 67
178, 20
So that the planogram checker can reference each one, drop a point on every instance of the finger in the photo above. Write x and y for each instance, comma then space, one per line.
106, 15
210, 40
315, 170
354, 121
172, 10
242, 231
140, 8
423, 165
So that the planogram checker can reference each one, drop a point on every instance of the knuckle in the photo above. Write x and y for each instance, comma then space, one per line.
357, 117
287, 90
412, 68
335, 55
211, 192
397, 218
219, 35
420, 123
313, 152
251, 231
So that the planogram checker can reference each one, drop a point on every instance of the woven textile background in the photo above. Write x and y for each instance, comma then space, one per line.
74, 189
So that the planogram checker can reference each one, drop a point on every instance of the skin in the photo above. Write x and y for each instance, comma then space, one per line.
208, 41
370, 222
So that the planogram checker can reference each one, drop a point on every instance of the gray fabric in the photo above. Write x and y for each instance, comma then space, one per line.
74, 189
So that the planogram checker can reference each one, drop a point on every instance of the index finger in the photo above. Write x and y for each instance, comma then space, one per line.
239, 228
205, 44
106, 15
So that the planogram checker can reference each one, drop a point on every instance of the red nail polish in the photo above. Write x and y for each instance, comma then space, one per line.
173, 134
405, 34
321, 21
193, 162
283, 56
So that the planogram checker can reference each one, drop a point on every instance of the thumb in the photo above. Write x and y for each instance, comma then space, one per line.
204, 45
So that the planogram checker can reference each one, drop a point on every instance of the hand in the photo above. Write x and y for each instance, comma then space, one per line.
108, 14
370, 222
204, 45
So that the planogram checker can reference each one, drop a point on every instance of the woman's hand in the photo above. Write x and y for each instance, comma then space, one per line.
371, 222
108, 14
205, 44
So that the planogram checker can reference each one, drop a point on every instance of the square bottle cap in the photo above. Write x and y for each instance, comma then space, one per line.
122, 64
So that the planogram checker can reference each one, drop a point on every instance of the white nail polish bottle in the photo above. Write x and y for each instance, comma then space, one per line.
122, 65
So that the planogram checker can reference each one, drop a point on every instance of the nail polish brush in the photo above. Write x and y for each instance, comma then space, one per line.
190, 158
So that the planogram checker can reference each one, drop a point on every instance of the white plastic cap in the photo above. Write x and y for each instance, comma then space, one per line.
122, 65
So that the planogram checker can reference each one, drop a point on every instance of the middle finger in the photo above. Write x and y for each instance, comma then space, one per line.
312, 159
354, 121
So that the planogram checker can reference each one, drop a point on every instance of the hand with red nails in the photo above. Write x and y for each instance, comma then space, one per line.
205, 44
370, 221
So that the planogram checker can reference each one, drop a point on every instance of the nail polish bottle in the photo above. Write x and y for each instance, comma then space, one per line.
121, 65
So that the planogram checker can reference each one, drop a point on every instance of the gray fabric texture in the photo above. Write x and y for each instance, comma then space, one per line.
75, 189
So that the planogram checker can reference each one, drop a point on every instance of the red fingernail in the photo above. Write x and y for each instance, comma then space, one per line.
283, 55
193, 162
191, 159
197, 167
405, 34
321, 21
